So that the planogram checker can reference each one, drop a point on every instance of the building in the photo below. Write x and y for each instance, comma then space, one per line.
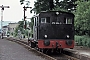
5, 30
12, 27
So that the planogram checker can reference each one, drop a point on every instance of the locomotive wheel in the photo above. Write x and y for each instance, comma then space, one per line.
37, 47
32, 45
61, 50
43, 50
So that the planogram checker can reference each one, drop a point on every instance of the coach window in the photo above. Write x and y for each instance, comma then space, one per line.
43, 20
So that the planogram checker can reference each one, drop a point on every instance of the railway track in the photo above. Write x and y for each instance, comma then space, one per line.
63, 56
57, 56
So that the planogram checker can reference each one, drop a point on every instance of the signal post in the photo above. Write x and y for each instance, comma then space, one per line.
2, 9
25, 8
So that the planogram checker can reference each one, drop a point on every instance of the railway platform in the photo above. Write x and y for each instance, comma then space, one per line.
83, 53
82, 50
12, 51
77, 49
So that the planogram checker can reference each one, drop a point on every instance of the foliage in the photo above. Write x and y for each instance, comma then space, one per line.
26, 32
83, 40
27, 2
15, 34
20, 27
12, 33
63, 5
21, 1
43, 5
66, 5
82, 19
31, 23
47, 5
8, 32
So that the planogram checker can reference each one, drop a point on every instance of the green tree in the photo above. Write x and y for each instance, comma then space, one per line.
31, 23
21, 1
46, 5
20, 27
82, 19
43, 5
68, 5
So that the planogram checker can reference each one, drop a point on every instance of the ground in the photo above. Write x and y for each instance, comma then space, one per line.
82, 50
13, 51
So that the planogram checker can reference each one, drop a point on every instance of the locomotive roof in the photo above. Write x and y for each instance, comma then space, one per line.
54, 11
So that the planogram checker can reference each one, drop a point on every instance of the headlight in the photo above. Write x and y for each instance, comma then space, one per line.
45, 36
57, 13
68, 36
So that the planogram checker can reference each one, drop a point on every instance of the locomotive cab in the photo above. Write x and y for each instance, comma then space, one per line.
54, 29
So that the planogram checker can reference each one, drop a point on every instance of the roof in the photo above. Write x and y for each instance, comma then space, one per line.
54, 11
5, 26
57, 11
13, 23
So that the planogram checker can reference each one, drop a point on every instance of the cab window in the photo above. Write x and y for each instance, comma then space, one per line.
45, 20
67, 20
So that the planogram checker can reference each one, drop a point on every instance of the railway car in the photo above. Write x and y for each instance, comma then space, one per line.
53, 30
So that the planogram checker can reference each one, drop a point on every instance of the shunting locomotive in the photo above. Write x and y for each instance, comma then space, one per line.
53, 30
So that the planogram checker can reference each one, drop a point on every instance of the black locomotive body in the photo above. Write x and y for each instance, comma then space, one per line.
53, 30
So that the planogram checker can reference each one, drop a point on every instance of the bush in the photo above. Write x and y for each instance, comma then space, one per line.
83, 40
15, 34
79, 40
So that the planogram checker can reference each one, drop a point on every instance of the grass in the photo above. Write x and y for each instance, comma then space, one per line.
83, 40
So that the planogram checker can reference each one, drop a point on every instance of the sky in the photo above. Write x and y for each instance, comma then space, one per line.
15, 12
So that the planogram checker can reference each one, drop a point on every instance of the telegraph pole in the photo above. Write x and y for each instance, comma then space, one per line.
25, 26
2, 9
25, 8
